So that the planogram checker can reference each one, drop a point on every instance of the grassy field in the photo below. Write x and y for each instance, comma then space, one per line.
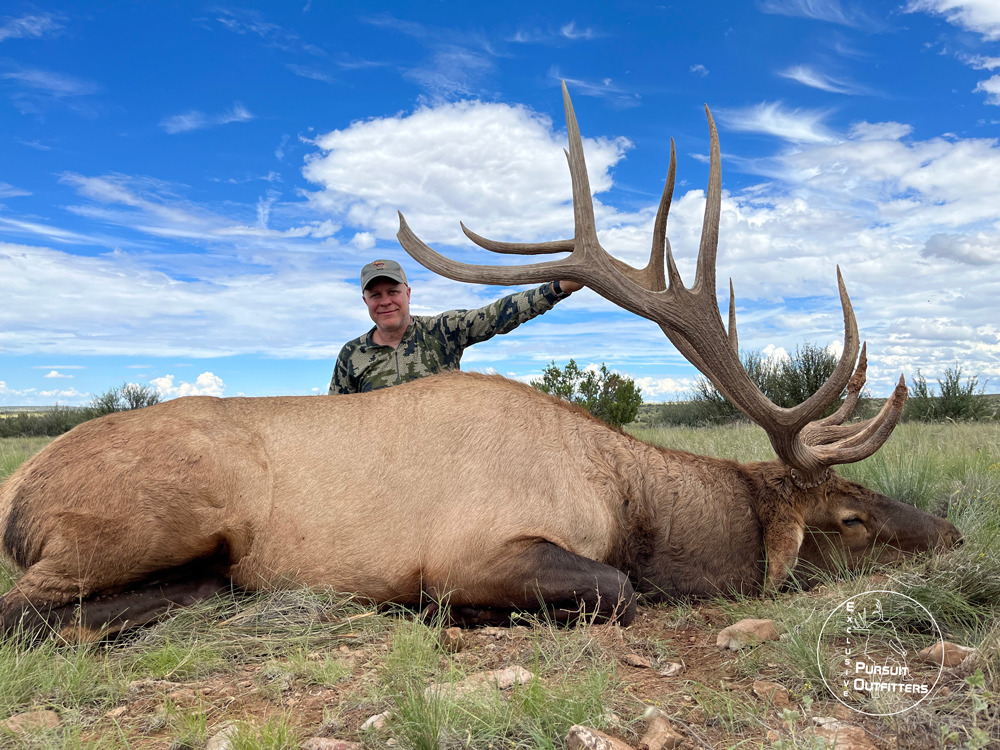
292, 665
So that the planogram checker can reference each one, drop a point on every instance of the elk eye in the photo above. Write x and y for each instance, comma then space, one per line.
854, 521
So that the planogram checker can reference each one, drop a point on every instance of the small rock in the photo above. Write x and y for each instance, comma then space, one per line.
771, 691
697, 716
184, 695
377, 721
660, 735
947, 653
746, 633
773, 735
498, 678
345, 650
847, 738
31, 721
672, 669
452, 640
329, 729
495, 632
843, 713
392, 742
114, 713
829, 722
945, 691
636, 660
223, 739
328, 743
585, 738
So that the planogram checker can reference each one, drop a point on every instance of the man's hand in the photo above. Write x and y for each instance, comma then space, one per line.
570, 286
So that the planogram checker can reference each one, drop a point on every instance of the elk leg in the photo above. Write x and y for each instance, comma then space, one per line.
546, 577
39, 604
782, 541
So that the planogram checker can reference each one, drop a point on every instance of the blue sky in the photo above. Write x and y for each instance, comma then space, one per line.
188, 191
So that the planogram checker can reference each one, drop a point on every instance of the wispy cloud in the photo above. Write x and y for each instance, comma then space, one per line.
9, 191
817, 79
772, 118
53, 84
991, 86
244, 21
571, 31
606, 88
451, 72
29, 27
819, 10
195, 120
979, 16
979, 62
306, 71
699, 69
56, 374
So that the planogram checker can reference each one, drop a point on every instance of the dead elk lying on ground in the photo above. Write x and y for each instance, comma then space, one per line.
464, 485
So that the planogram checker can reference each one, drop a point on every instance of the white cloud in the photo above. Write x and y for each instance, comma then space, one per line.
979, 250
570, 31
53, 84
206, 384
979, 62
980, 16
661, 389
772, 118
499, 164
56, 374
992, 88
879, 131
28, 27
68, 393
817, 79
819, 10
699, 69
363, 240
9, 191
195, 120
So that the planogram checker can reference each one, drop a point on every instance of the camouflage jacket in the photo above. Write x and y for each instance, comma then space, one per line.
433, 343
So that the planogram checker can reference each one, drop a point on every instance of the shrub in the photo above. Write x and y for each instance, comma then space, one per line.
607, 395
956, 401
786, 382
126, 397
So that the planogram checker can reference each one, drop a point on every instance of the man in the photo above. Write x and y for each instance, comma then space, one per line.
402, 347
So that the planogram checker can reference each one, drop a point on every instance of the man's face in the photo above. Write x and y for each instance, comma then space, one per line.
388, 304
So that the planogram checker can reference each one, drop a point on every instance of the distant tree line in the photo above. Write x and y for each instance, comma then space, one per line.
62, 419
790, 381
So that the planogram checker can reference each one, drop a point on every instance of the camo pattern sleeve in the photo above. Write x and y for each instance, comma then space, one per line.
462, 328
432, 344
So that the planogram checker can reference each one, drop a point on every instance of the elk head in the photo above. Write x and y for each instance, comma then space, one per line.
805, 508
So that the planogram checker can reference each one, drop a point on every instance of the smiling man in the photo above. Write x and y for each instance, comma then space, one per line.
401, 347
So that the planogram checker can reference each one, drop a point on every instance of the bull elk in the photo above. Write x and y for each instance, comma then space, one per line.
461, 485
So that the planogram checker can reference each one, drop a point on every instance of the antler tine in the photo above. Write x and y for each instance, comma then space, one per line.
872, 433
583, 203
733, 338
534, 273
661, 246
520, 248
813, 433
705, 276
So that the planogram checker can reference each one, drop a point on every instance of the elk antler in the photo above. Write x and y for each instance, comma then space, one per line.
689, 317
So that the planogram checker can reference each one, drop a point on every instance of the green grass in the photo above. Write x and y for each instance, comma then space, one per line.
291, 642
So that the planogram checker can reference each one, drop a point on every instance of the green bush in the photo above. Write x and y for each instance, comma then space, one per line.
125, 397
607, 395
956, 401
786, 382
63, 418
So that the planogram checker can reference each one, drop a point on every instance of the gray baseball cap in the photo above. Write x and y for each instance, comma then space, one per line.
390, 269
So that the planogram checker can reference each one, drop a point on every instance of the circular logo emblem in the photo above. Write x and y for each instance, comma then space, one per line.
867, 653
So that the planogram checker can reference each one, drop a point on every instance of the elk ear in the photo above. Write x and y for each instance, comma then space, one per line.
782, 540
